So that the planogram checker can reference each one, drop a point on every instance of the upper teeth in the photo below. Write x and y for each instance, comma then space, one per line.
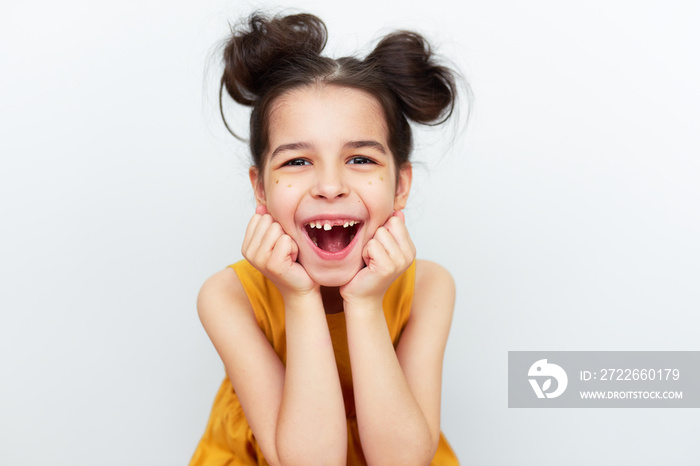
327, 226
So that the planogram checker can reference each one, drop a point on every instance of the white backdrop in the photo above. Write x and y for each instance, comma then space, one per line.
568, 214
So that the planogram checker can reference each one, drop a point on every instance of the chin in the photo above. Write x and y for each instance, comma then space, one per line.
333, 276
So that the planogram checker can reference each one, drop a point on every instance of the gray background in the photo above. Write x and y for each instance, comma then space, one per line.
567, 213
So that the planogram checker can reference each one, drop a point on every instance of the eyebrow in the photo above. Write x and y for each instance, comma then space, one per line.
296, 146
362, 144
292, 147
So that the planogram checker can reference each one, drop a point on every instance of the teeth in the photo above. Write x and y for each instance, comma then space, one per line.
315, 242
327, 226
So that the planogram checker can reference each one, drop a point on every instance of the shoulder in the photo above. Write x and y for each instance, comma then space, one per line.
222, 297
223, 284
434, 288
432, 307
430, 273
433, 301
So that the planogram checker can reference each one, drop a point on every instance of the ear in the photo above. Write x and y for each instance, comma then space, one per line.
403, 186
256, 180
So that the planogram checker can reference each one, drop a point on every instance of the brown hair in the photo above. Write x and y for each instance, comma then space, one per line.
266, 57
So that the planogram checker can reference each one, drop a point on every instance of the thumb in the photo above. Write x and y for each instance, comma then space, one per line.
399, 213
261, 209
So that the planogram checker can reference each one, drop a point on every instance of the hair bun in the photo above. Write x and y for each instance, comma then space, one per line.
253, 49
426, 90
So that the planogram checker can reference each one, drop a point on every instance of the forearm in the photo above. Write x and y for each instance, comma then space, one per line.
393, 428
311, 426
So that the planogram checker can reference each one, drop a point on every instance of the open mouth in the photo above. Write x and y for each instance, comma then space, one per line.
332, 236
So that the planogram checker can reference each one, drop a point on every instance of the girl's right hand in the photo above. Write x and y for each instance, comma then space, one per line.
274, 253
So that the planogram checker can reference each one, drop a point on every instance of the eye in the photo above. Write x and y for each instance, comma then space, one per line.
360, 160
296, 163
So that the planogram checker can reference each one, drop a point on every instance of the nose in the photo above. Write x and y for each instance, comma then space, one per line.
330, 183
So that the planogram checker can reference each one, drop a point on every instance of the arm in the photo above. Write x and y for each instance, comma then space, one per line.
422, 345
397, 393
297, 414
312, 427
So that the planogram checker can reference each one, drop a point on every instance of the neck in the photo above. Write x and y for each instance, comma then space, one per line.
332, 301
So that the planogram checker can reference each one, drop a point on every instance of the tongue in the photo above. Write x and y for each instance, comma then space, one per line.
333, 240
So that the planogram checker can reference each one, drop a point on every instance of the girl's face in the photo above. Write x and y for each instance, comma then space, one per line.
329, 179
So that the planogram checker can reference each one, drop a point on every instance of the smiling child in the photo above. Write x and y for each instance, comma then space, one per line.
331, 332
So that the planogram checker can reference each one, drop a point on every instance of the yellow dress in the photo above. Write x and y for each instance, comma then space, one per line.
228, 439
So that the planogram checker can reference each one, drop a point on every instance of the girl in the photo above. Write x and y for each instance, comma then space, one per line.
331, 332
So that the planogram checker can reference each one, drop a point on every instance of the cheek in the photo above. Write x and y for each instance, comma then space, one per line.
282, 200
378, 199
379, 193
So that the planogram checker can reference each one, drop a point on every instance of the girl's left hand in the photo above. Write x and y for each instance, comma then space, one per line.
387, 255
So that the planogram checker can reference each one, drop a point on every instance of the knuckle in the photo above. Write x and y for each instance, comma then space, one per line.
265, 221
277, 228
283, 242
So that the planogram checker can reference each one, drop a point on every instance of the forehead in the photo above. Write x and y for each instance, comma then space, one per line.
326, 115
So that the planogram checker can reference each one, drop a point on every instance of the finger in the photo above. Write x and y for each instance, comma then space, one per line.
375, 256
268, 242
250, 231
281, 253
396, 226
258, 234
295, 250
387, 240
399, 214
260, 211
